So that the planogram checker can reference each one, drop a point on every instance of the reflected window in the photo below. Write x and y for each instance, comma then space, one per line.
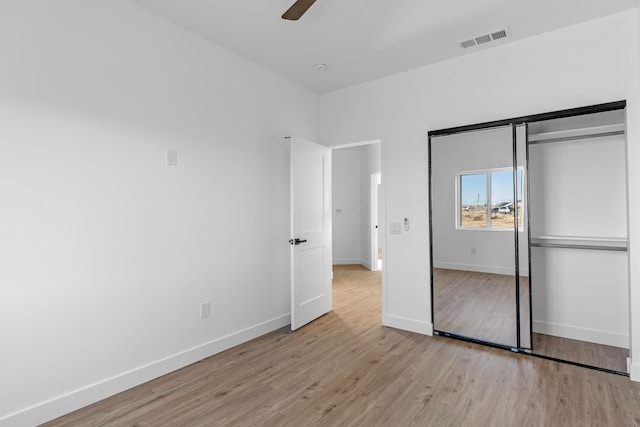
486, 199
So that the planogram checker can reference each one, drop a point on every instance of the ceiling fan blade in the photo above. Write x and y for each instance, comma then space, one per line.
297, 9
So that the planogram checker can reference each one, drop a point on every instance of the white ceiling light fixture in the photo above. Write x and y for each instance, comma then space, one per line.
321, 66
485, 38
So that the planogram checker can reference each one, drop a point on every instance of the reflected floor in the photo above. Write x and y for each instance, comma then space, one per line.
587, 353
482, 306
479, 305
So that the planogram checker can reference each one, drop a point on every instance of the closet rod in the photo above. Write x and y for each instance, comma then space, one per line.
569, 246
577, 137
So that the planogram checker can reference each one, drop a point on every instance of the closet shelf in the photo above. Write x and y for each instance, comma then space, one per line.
581, 242
577, 134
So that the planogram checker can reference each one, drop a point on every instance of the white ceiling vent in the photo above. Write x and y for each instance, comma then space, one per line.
485, 38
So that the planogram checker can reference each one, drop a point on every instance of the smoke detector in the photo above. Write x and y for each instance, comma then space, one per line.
485, 38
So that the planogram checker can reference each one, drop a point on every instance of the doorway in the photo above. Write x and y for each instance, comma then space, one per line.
329, 208
357, 217
356, 199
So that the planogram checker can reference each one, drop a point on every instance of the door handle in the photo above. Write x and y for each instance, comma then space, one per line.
296, 241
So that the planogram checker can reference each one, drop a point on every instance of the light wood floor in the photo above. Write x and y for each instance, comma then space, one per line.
345, 369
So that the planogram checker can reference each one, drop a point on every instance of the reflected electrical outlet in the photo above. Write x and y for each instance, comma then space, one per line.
205, 310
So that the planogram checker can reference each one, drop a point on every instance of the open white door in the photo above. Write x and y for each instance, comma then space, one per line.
310, 231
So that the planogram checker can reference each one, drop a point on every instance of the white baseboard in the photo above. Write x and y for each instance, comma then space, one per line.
507, 271
582, 334
361, 262
634, 372
69, 402
411, 325
365, 264
347, 261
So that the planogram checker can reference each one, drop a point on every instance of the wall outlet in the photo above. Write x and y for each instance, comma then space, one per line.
205, 310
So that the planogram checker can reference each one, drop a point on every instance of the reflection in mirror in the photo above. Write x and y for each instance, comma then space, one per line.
473, 214
478, 210
578, 221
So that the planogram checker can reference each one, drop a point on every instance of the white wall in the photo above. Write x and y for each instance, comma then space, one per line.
345, 195
107, 253
586, 64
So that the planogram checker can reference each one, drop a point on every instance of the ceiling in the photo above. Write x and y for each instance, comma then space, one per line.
362, 40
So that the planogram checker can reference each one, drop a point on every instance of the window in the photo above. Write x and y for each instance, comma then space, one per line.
485, 199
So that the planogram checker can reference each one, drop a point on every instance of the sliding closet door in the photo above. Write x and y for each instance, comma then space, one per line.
476, 208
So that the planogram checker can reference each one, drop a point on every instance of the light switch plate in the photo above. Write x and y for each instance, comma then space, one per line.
395, 228
172, 157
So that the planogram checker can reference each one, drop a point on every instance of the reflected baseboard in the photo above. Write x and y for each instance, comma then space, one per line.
479, 268
581, 334
634, 372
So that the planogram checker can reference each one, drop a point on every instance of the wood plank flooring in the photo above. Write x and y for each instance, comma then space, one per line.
345, 369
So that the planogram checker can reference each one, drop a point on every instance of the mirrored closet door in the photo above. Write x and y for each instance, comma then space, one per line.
528, 222
477, 218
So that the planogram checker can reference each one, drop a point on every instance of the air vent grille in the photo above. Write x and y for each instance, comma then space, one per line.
468, 43
499, 35
485, 38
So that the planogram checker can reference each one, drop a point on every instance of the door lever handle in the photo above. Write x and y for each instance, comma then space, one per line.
296, 241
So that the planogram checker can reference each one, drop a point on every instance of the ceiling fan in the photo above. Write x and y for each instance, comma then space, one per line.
297, 9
